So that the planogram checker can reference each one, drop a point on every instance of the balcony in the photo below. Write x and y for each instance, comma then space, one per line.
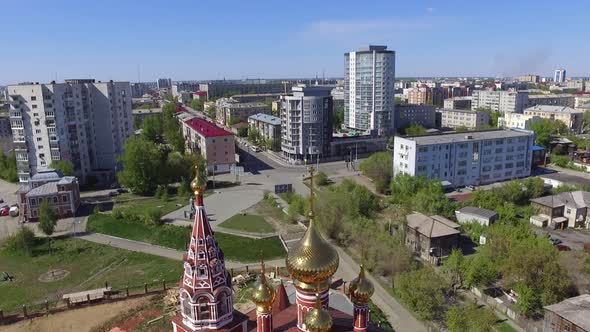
54, 146
19, 139
16, 115
20, 146
22, 164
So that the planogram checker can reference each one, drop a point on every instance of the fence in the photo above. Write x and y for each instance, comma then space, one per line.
111, 294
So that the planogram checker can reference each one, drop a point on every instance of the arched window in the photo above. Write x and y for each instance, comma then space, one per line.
223, 304
204, 312
187, 308
202, 271
201, 254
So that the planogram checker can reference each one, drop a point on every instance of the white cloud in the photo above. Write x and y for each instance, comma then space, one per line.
430, 9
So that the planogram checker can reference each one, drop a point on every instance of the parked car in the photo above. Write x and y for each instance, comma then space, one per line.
562, 247
122, 190
1, 201
114, 193
14, 211
4, 211
472, 188
256, 149
555, 241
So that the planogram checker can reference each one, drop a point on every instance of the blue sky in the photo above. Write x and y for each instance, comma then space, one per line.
182, 39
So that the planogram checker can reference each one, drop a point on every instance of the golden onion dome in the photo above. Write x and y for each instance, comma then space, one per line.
318, 319
361, 289
313, 259
264, 294
199, 183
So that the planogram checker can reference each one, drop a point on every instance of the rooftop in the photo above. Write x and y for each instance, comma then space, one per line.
478, 211
206, 128
473, 136
550, 96
267, 118
45, 176
575, 309
432, 226
458, 111
577, 198
552, 109
46, 189
148, 111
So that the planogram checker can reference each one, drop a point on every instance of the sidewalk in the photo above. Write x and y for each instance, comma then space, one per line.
156, 250
399, 317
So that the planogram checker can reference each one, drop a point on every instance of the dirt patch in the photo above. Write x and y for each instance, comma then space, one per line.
271, 215
137, 319
54, 275
76, 320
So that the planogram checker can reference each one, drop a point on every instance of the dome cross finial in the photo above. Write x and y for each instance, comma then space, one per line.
311, 173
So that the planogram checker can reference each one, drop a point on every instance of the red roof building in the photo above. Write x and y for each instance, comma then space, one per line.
214, 143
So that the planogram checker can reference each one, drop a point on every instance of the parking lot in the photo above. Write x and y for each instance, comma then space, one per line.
8, 193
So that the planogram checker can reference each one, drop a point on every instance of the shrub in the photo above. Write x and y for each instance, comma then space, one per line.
321, 179
165, 196
21, 241
117, 213
154, 217
96, 210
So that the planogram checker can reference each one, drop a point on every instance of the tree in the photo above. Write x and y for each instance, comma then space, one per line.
21, 241
8, 169
378, 167
470, 317
543, 129
338, 119
142, 166
197, 104
414, 130
423, 291
47, 220
321, 179
398, 100
243, 131
151, 128
65, 167
253, 135
479, 271
461, 129
454, 268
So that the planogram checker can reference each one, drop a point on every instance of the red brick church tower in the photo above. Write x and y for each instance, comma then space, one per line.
206, 298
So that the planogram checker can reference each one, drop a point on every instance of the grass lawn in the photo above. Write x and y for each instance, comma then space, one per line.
90, 266
504, 327
143, 205
235, 248
248, 223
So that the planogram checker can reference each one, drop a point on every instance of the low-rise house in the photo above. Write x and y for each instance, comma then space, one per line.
470, 214
268, 127
215, 144
451, 118
568, 209
431, 237
572, 315
61, 192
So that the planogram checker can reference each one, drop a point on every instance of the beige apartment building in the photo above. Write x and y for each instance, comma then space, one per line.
215, 144
571, 117
462, 118
229, 110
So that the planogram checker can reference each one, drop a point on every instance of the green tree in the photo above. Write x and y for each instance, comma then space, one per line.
414, 130
151, 128
470, 317
479, 271
544, 129
398, 100
243, 131
64, 166
142, 166
423, 291
454, 268
338, 119
253, 135
378, 167
197, 104
47, 220
8, 169
21, 241
321, 179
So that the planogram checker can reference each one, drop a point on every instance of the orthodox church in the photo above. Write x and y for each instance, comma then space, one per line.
206, 297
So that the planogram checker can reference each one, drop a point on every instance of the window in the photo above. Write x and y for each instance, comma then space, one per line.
55, 199
497, 167
201, 255
204, 308
499, 150
37, 131
33, 98
64, 198
34, 106
39, 139
569, 210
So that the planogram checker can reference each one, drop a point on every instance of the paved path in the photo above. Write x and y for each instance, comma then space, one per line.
223, 204
161, 251
399, 317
